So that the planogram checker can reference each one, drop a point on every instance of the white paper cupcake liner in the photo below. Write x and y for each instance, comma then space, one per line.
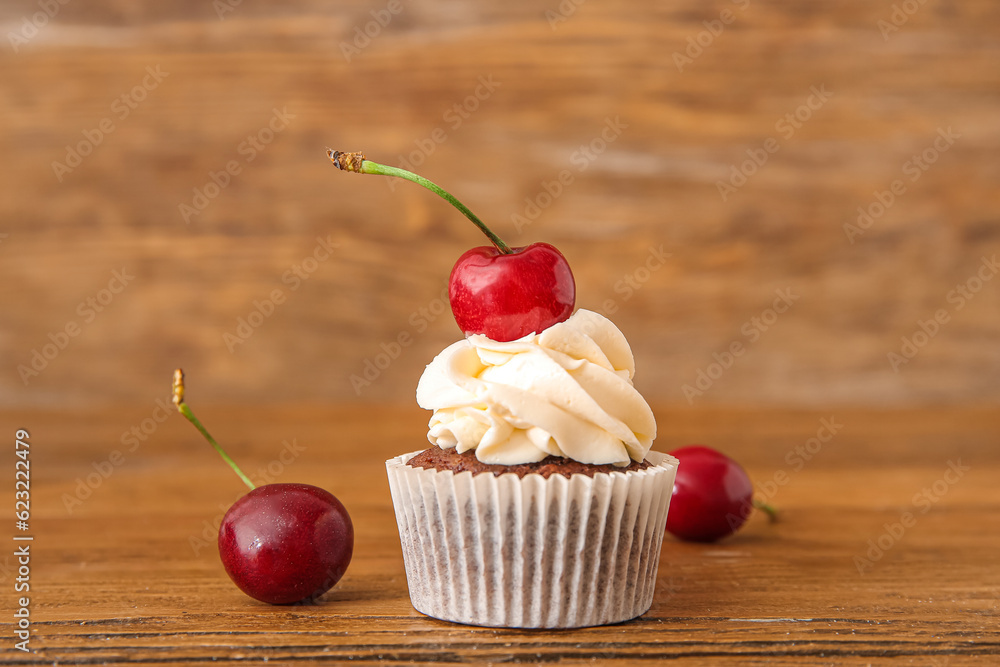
531, 552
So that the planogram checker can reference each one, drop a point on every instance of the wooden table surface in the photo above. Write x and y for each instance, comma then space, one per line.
885, 551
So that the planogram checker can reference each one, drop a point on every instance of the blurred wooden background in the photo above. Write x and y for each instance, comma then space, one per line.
494, 101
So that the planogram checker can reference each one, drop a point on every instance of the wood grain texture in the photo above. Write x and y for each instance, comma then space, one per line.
125, 571
551, 89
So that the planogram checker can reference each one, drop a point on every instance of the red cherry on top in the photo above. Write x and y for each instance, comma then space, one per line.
505, 293
712, 495
506, 296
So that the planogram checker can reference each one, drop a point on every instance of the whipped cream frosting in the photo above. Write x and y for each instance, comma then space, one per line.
566, 391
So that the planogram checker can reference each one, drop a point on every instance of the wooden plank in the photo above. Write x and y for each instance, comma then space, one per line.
130, 573
654, 185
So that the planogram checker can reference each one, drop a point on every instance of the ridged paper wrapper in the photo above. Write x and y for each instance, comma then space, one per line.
531, 552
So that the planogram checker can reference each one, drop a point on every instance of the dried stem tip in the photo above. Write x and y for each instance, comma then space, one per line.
346, 161
178, 387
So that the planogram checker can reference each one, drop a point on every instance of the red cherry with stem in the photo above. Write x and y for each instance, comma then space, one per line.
280, 543
712, 496
507, 296
502, 292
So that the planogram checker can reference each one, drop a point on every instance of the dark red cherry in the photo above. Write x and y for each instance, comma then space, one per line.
712, 495
285, 543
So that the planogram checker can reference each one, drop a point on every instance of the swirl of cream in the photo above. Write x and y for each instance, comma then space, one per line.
566, 391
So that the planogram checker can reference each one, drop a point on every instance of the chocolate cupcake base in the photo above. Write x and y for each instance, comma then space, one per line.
449, 459
530, 551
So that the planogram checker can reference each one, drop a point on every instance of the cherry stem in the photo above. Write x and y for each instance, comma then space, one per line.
770, 510
357, 163
186, 411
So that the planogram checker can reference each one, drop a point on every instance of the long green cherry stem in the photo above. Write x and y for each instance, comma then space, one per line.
186, 411
357, 163
770, 510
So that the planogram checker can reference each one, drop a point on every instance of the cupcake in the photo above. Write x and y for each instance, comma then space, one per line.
539, 503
